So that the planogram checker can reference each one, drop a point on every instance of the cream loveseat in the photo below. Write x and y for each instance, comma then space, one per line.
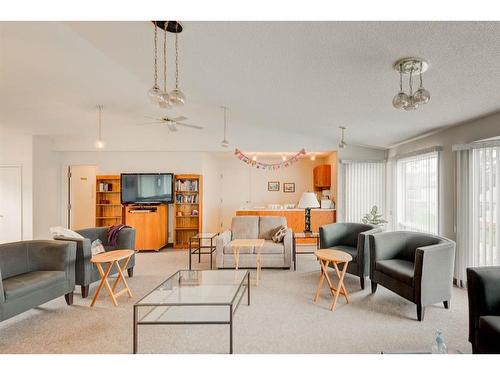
273, 255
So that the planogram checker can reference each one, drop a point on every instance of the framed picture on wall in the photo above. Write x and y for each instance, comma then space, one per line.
273, 186
288, 187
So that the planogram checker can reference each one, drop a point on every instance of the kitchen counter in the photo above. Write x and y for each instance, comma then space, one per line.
295, 216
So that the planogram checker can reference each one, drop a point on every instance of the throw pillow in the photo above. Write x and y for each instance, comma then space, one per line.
280, 233
96, 247
64, 232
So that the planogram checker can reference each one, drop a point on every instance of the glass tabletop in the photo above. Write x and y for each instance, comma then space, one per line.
204, 236
197, 287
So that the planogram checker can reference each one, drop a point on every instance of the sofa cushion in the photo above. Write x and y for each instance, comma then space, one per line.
352, 251
398, 269
245, 227
23, 284
268, 225
242, 250
271, 247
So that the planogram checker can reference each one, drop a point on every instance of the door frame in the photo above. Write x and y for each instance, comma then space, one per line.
20, 167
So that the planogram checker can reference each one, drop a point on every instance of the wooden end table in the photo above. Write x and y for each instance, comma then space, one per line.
239, 243
335, 257
112, 258
299, 235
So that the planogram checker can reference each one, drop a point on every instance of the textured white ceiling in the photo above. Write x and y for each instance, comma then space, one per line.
295, 80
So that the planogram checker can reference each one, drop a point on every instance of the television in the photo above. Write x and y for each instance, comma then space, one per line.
147, 188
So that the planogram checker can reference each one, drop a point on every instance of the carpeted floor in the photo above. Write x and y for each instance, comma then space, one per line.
281, 319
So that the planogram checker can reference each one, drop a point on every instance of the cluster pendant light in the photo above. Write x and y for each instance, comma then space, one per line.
161, 96
411, 66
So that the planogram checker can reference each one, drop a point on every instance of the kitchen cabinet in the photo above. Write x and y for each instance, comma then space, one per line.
322, 176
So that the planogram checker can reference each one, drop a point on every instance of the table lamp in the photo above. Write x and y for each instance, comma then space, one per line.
308, 200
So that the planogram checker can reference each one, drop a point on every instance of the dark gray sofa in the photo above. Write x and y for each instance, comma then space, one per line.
417, 266
85, 272
483, 289
35, 272
353, 239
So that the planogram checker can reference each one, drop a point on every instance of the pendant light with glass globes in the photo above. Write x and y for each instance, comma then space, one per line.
158, 96
411, 100
225, 142
99, 143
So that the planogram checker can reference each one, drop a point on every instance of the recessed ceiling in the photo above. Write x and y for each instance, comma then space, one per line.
294, 80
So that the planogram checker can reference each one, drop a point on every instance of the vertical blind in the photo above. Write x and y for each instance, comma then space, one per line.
485, 214
364, 187
417, 186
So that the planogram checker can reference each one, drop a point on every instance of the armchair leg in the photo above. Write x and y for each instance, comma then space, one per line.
374, 287
130, 272
85, 291
446, 304
362, 282
69, 298
420, 312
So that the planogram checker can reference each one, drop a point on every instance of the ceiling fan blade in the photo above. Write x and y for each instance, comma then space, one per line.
180, 118
153, 118
189, 125
152, 123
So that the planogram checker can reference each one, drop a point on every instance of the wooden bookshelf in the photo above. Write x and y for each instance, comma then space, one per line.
108, 210
188, 192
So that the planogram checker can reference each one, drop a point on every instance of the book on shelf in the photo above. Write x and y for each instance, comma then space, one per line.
179, 198
186, 185
105, 186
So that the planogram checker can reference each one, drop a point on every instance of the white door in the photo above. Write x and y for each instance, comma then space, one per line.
11, 204
235, 193
82, 190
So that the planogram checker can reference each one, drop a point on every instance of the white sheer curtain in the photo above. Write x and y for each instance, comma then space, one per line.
363, 187
478, 213
417, 187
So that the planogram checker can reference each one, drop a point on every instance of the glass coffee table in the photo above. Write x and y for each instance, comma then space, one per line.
194, 297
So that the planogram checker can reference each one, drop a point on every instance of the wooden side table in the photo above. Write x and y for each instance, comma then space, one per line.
112, 258
335, 257
256, 243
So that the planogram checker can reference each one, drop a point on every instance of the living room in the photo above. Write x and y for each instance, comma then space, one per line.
179, 185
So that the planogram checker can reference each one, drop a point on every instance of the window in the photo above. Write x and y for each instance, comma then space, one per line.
364, 187
485, 199
417, 193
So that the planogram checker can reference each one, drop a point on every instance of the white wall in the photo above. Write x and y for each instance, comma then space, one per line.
471, 131
17, 149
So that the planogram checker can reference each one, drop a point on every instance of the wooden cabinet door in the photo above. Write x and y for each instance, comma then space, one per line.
322, 176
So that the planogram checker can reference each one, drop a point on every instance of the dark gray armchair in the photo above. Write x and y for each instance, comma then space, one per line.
417, 266
353, 239
85, 272
483, 289
35, 272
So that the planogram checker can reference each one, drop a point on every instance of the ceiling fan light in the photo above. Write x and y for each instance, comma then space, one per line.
422, 96
177, 97
154, 94
400, 100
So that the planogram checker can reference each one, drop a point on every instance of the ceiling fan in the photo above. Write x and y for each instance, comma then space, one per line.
170, 122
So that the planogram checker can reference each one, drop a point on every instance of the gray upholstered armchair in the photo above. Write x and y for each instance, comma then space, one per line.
483, 288
417, 266
351, 238
86, 273
35, 272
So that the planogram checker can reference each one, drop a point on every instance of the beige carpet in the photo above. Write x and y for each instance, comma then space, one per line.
281, 319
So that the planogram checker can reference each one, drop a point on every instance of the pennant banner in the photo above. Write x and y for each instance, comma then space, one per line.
269, 166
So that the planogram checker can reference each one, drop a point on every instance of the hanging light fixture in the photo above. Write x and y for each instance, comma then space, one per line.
155, 92
177, 97
410, 66
342, 143
164, 96
99, 143
157, 95
225, 142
